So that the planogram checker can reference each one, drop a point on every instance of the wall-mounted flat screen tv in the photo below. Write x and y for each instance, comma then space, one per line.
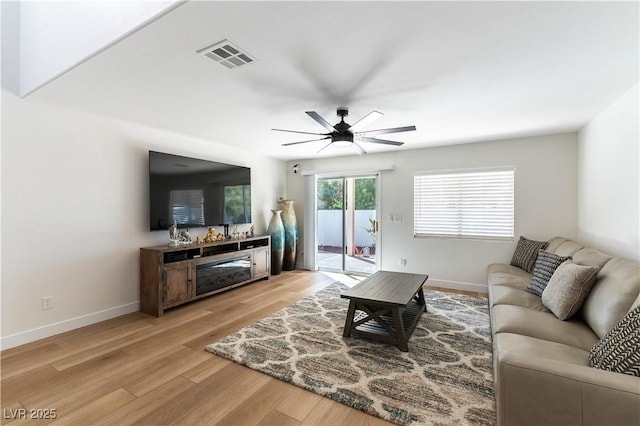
197, 193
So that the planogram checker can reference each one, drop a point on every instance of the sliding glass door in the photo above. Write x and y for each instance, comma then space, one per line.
347, 227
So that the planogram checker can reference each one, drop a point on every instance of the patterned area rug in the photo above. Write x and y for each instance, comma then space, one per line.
445, 378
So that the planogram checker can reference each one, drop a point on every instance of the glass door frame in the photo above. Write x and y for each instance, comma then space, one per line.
348, 231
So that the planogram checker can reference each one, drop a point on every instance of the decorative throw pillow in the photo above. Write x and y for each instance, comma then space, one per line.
568, 288
619, 349
526, 253
545, 266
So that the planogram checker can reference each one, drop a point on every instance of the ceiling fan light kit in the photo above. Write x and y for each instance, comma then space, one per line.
343, 134
342, 139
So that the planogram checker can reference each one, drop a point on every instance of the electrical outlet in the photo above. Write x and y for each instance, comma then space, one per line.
403, 262
47, 303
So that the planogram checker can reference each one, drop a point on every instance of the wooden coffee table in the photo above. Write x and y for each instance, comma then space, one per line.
386, 307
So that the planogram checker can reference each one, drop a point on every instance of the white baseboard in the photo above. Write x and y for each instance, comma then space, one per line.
458, 285
38, 333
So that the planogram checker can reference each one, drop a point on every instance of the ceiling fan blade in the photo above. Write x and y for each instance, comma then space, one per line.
382, 141
359, 149
312, 140
366, 120
324, 123
322, 149
303, 133
391, 130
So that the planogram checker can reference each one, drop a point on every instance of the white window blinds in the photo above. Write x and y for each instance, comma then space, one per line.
476, 204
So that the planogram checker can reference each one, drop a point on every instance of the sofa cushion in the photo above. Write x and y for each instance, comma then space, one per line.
590, 256
505, 295
563, 247
554, 243
503, 274
533, 347
542, 325
544, 268
619, 349
568, 288
539, 382
526, 253
615, 291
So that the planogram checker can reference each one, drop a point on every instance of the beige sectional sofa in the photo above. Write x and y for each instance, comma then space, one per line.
541, 363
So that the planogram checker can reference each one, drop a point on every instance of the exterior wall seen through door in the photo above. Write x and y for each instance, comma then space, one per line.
332, 235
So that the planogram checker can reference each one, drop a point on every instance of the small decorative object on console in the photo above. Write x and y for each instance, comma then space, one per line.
178, 238
173, 234
211, 237
184, 238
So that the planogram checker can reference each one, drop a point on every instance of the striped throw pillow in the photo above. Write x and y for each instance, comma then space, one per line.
546, 264
526, 253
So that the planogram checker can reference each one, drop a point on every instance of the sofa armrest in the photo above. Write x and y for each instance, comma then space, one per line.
535, 390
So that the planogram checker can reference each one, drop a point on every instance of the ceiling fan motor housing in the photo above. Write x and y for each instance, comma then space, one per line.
342, 127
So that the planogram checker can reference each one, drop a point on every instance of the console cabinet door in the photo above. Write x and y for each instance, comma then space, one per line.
177, 283
261, 262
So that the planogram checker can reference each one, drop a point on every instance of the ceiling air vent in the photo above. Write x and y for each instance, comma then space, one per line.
227, 54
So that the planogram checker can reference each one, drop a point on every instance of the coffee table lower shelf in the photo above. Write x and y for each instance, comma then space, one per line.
383, 326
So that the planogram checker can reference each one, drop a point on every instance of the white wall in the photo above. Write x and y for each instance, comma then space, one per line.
545, 202
49, 42
609, 189
75, 212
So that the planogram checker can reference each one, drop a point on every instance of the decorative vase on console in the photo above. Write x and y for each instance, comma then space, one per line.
276, 231
290, 236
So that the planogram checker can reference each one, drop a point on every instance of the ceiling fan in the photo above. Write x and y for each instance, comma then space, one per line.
345, 134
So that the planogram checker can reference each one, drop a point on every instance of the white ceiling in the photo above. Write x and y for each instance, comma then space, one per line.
460, 71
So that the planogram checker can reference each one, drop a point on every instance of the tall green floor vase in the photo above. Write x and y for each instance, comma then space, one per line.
276, 230
290, 236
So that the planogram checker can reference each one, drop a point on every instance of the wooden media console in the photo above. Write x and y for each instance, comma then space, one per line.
171, 276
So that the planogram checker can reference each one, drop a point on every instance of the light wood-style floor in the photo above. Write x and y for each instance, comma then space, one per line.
138, 369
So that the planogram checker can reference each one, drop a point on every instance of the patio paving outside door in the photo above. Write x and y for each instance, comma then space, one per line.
347, 226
